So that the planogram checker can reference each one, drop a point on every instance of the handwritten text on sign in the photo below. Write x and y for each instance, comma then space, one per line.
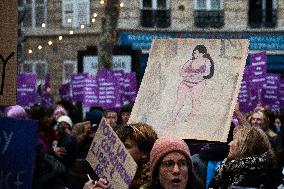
17, 153
110, 159
8, 51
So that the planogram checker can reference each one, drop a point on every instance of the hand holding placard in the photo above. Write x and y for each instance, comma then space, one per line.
110, 159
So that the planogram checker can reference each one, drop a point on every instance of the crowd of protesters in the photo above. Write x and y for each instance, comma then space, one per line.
253, 155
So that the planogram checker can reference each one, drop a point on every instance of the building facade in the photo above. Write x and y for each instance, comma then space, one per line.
56, 31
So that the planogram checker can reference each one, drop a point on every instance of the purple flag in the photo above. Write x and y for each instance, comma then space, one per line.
130, 87
247, 99
90, 92
258, 69
26, 92
109, 90
64, 91
270, 89
281, 93
78, 84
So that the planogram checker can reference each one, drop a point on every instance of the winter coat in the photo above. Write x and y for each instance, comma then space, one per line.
254, 171
49, 174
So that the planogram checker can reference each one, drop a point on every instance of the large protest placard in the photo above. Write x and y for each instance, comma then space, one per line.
110, 159
8, 51
190, 87
17, 153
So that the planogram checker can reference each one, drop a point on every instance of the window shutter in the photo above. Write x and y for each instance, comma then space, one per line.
41, 70
82, 13
200, 5
28, 16
67, 12
27, 67
69, 67
216, 5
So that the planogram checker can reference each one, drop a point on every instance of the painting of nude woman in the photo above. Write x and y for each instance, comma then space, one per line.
194, 73
190, 87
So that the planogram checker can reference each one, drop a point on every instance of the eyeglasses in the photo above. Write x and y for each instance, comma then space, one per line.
170, 164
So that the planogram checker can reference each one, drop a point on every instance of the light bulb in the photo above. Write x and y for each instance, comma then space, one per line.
49, 42
30, 51
60, 37
71, 32
39, 47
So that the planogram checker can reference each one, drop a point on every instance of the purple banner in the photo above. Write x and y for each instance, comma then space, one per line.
258, 69
78, 84
64, 92
26, 93
91, 92
247, 99
270, 89
130, 87
109, 90
281, 93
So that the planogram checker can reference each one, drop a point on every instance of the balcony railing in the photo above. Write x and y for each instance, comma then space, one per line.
209, 18
262, 18
155, 18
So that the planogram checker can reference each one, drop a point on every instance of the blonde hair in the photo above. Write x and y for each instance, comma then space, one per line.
265, 117
251, 141
143, 134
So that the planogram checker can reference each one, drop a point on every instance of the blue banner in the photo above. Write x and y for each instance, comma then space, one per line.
17, 153
140, 41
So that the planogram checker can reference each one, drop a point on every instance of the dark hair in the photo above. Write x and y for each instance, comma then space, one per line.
192, 183
202, 49
38, 112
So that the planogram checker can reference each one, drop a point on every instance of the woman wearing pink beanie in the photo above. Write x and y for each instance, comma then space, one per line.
171, 166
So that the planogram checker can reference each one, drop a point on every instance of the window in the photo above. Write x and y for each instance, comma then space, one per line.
69, 67
209, 13
36, 13
155, 13
262, 13
75, 13
38, 67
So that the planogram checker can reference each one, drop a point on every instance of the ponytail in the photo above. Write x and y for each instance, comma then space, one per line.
210, 75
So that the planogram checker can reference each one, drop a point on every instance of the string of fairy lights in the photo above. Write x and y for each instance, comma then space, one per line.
71, 31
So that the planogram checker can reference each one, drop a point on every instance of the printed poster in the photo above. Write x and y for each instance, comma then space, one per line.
190, 87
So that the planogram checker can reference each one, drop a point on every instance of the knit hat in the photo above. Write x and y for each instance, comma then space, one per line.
16, 111
65, 119
94, 116
164, 146
59, 109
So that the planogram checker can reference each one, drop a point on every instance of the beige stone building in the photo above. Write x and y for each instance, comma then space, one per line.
56, 30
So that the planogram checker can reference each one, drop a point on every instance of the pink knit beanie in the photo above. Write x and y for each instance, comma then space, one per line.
61, 110
163, 146
16, 111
